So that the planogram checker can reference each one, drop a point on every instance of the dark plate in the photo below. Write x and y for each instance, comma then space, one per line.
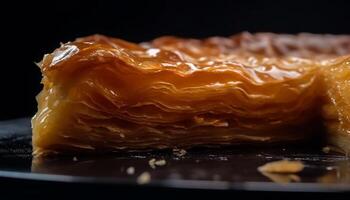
233, 169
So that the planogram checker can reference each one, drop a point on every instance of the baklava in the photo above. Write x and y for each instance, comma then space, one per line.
104, 94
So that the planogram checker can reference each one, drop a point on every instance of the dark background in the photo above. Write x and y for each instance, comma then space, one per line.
31, 29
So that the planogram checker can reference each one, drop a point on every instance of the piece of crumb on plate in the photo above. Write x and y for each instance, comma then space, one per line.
153, 163
130, 170
179, 152
282, 167
326, 149
144, 178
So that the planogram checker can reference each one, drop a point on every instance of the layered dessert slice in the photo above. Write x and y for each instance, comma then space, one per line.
104, 94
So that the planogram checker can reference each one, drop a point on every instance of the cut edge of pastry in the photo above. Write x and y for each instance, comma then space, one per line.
336, 109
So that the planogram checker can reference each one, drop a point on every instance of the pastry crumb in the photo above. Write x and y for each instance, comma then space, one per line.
130, 170
160, 162
179, 152
151, 163
282, 167
326, 149
154, 163
223, 158
144, 178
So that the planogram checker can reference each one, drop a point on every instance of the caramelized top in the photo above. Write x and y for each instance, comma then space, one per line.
304, 45
216, 53
261, 57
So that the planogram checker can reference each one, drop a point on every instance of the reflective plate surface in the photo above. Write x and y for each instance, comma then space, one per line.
210, 169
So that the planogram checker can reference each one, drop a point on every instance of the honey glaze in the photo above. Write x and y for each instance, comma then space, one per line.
103, 94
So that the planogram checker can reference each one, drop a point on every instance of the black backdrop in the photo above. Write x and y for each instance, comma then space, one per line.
30, 29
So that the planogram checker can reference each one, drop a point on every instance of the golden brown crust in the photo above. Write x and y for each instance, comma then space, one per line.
303, 45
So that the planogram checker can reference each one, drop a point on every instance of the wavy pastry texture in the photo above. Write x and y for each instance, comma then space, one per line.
336, 109
103, 94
